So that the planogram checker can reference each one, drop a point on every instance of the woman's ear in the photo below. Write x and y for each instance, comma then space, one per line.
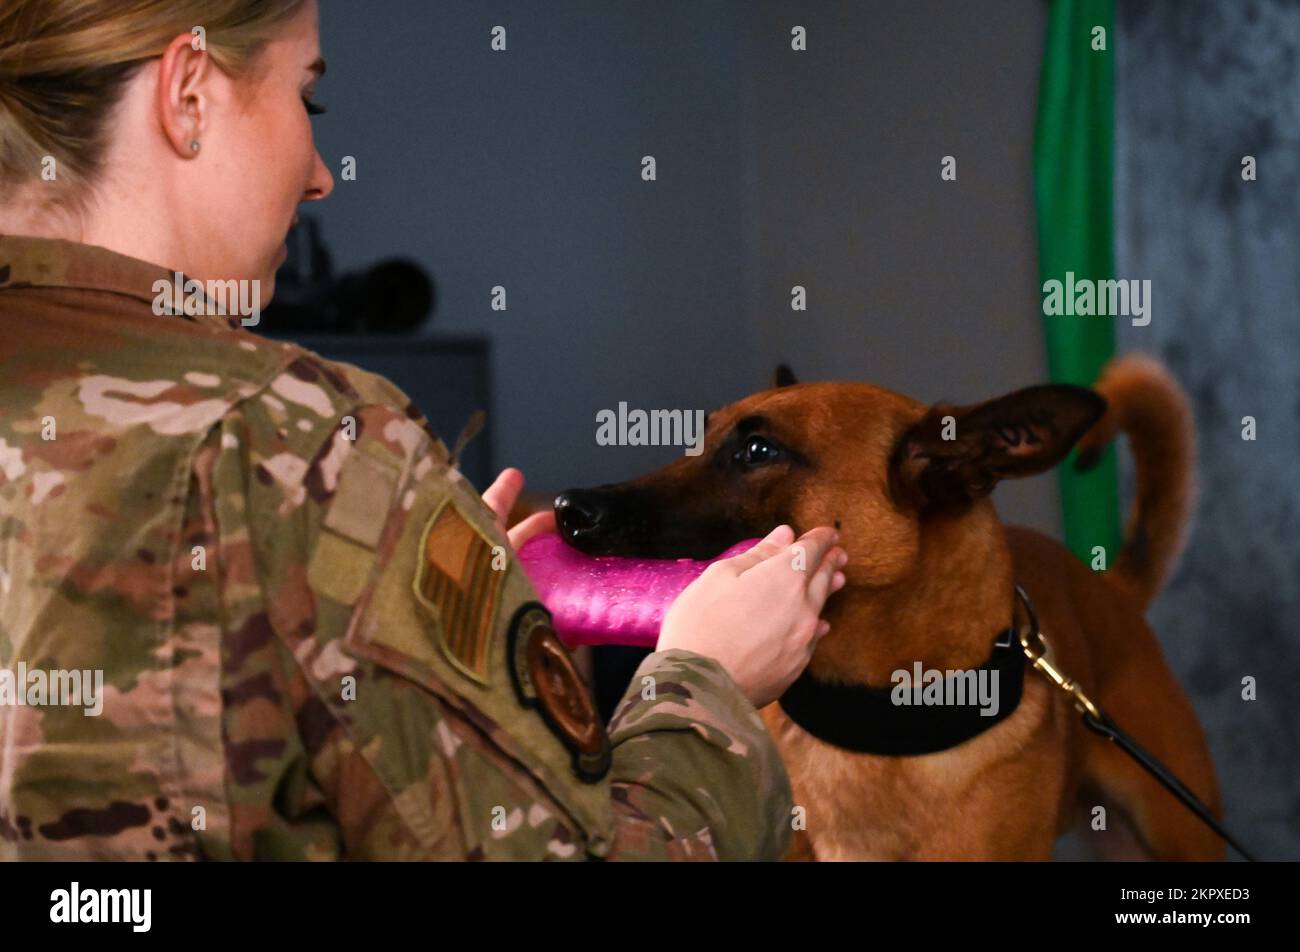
954, 455
183, 101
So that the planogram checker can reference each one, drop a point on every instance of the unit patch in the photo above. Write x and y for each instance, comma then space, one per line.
546, 678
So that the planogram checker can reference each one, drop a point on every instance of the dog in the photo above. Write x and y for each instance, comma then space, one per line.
931, 579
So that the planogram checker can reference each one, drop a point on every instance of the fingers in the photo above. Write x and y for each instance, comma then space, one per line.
536, 524
802, 557
823, 628
815, 544
501, 495
775, 541
828, 578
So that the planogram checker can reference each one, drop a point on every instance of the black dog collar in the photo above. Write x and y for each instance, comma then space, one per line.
867, 720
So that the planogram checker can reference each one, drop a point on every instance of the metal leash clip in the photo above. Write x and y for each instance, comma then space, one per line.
1034, 644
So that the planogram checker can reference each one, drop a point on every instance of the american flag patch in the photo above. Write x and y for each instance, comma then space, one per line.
456, 579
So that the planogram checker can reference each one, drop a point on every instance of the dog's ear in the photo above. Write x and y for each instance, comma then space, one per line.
783, 376
954, 455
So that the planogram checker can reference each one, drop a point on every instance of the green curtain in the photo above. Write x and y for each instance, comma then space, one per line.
1073, 171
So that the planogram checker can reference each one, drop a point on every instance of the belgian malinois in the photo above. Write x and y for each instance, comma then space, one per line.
931, 580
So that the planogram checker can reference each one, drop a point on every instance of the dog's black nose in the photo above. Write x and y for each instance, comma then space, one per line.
577, 513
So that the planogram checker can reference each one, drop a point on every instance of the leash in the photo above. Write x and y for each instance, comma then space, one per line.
1034, 645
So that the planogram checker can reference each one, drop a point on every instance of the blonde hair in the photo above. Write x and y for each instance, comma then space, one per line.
64, 65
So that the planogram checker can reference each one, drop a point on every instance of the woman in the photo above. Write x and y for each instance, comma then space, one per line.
278, 603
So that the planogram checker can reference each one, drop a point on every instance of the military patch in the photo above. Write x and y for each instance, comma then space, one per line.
545, 678
455, 579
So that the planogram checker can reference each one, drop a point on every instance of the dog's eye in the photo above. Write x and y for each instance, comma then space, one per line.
756, 451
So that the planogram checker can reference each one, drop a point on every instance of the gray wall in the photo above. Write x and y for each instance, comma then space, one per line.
1198, 86
522, 169
925, 286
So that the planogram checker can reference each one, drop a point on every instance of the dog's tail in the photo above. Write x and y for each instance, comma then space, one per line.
1147, 404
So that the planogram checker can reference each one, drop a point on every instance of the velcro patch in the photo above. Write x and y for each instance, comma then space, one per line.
339, 568
361, 503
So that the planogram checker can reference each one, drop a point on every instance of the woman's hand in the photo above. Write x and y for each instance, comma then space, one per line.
501, 497
757, 614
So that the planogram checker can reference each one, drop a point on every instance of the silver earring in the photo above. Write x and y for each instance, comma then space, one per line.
194, 145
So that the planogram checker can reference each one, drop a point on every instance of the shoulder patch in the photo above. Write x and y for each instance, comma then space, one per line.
456, 579
546, 678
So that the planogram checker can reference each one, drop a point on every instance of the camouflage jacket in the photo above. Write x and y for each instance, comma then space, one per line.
313, 641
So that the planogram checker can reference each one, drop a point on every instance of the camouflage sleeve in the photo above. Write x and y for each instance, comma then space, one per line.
368, 707
696, 773
298, 781
371, 702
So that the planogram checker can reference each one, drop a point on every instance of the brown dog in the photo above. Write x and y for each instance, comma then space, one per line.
931, 576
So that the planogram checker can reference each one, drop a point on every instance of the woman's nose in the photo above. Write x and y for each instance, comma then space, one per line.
321, 184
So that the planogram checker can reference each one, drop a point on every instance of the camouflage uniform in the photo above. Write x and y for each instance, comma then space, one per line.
307, 652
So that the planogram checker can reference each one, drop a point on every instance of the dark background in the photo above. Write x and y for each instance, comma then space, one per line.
775, 168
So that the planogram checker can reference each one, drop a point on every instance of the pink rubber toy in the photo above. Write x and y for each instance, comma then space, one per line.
608, 600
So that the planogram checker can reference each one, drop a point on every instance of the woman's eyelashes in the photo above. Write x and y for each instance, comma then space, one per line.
313, 108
